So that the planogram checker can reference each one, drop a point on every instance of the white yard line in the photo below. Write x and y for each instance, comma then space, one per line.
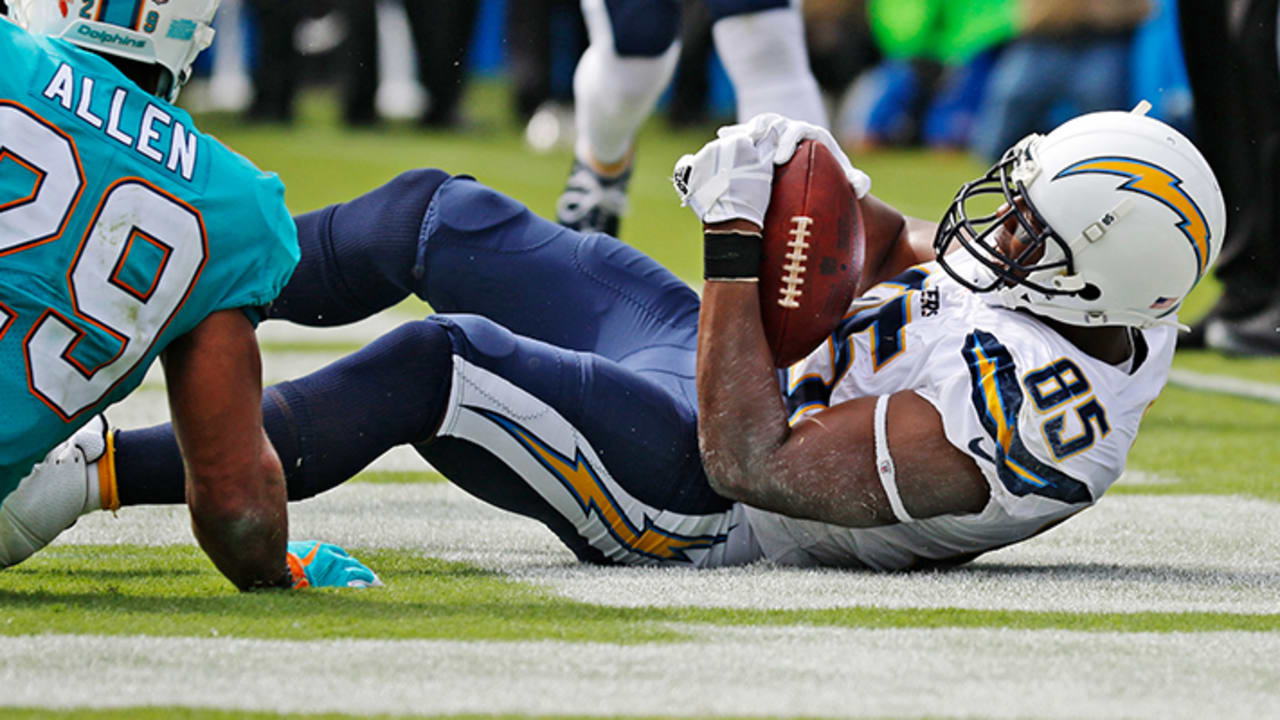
742, 671
1225, 384
279, 331
1128, 554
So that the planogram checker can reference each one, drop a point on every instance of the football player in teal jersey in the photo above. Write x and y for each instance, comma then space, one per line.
125, 235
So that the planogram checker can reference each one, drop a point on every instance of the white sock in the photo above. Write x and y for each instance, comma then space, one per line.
613, 95
765, 57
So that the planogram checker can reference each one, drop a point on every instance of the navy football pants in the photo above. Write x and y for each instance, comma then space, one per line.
558, 372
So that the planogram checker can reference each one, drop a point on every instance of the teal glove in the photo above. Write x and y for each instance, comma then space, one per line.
317, 564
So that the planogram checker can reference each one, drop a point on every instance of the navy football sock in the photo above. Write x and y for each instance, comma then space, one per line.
326, 426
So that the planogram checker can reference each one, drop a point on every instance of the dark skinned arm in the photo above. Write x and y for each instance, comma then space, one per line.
895, 242
235, 484
824, 468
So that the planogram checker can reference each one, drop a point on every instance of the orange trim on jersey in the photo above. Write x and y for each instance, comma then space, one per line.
71, 206
115, 279
35, 187
9, 317
75, 303
65, 355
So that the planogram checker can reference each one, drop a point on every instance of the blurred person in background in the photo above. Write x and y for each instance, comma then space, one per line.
537, 33
543, 41
1067, 58
632, 54
277, 63
937, 55
840, 44
691, 83
1230, 49
441, 31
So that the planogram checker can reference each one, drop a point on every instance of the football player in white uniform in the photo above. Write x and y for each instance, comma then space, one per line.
973, 401
631, 58
987, 386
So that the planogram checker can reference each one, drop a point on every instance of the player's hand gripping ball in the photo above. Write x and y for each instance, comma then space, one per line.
813, 253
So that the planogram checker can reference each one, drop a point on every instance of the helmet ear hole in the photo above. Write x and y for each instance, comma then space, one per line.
1089, 292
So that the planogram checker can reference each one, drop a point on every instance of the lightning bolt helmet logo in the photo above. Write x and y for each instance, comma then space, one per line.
1159, 184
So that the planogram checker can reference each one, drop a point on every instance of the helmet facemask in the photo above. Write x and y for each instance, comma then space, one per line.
995, 222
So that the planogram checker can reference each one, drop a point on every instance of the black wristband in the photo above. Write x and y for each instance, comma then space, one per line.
731, 255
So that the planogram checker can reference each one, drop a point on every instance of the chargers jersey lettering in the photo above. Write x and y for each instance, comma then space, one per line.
121, 228
1049, 426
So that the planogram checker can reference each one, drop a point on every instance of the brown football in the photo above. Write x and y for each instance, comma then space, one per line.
814, 249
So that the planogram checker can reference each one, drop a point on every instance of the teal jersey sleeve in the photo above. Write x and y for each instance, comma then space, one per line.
122, 227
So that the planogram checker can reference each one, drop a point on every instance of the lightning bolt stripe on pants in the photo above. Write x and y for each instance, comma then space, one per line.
547, 453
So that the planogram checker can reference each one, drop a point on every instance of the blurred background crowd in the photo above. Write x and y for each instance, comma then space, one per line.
961, 74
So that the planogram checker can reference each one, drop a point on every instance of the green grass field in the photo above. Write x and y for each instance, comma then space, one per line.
1158, 603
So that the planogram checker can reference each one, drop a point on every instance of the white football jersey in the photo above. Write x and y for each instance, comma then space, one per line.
1049, 425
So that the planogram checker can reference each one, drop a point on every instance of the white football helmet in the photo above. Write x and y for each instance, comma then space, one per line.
170, 33
1119, 214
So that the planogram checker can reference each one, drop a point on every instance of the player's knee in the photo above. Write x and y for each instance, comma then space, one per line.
474, 337
463, 205
419, 185
396, 208
469, 213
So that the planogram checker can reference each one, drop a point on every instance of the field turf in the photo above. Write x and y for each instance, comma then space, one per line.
1160, 602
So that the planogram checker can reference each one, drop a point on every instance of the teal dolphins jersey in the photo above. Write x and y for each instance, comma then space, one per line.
122, 227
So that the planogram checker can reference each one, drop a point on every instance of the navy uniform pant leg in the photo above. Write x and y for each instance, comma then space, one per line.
465, 248
604, 456
486, 254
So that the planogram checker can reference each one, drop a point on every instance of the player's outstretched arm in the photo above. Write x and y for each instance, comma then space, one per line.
234, 482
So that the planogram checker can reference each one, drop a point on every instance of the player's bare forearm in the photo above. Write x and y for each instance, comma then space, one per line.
749, 452
235, 484
245, 532
741, 417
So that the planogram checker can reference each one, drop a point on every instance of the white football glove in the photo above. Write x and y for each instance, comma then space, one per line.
731, 177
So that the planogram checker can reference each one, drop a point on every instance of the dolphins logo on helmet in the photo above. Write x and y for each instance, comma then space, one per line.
169, 33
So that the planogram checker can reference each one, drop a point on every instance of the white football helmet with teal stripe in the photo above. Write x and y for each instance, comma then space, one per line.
169, 33
1117, 216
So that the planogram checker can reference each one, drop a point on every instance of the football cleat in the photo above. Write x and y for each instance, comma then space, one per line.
1257, 334
592, 202
318, 564
75, 478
